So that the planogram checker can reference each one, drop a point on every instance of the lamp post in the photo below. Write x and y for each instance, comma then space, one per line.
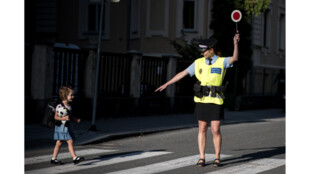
93, 126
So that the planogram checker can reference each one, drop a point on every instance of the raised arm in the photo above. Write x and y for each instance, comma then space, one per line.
235, 56
176, 78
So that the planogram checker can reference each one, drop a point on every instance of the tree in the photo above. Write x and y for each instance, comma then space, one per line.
252, 7
185, 49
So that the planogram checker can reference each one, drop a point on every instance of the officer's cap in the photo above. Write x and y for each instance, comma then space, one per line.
206, 43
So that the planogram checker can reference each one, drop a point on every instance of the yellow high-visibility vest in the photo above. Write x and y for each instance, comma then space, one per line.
211, 75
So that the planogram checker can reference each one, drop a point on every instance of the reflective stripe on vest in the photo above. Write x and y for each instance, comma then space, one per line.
210, 75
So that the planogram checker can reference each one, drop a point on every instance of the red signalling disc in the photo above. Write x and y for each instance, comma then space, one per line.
236, 15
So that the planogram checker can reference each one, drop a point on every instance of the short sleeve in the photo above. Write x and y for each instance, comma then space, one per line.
191, 69
58, 106
226, 63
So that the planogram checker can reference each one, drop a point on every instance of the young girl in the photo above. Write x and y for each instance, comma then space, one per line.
63, 131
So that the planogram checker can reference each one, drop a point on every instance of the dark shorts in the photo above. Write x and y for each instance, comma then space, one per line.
209, 111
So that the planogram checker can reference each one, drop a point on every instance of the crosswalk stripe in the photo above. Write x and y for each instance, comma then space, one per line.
252, 167
98, 162
167, 165
40, 159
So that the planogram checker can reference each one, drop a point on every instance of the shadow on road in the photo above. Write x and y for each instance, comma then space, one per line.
272, 151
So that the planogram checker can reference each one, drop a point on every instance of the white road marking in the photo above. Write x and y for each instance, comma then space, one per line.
167, 165
47, 158
252, 167
97, 162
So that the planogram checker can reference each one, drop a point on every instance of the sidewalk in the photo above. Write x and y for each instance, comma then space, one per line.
37, 136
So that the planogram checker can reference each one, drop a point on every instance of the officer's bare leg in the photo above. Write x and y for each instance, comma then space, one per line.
203, 127
217, 137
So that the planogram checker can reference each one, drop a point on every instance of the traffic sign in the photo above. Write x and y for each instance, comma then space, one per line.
236, 15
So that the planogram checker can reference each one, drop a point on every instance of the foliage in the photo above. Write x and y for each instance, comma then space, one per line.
252, 7
185, 49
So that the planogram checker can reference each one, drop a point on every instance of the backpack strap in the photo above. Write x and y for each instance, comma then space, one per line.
62, 104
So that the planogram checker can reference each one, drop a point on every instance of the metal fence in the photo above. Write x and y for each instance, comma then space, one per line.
153, 74
68, 68
261, 81
28, 69
114, 75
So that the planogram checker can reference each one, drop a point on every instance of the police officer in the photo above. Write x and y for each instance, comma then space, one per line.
209, 71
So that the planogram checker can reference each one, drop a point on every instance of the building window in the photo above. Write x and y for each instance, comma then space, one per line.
189, 15
266, 28
89, 20
94, 17
282, 32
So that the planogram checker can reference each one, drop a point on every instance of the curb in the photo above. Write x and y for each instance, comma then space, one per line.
112, 136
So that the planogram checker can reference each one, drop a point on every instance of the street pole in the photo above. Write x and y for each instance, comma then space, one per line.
93, 126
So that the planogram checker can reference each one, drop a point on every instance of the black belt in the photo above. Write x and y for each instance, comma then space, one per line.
203, 91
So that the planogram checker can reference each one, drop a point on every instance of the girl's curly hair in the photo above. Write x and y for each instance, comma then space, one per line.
64, 92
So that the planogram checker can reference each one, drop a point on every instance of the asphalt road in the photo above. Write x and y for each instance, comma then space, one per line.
255, 147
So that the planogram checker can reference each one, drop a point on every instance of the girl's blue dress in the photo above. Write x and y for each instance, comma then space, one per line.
63, 132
